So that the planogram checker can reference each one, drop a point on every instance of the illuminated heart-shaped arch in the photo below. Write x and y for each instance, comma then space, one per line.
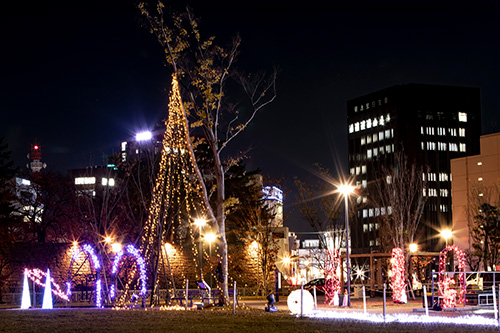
129, 249
445, 281
77, 251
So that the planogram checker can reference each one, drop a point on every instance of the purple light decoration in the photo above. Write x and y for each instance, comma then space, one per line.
97, 266
130, 249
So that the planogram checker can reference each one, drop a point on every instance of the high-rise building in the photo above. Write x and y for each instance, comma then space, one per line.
476, 181
431, 124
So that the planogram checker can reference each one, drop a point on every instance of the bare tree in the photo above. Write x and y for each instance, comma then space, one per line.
207, 74
320, 205
401, 200
482, 206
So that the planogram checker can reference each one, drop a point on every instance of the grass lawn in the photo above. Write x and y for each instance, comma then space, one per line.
207, 320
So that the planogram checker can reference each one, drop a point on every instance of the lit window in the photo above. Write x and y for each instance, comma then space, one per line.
369, 153
382, 211
369, 123
361, 108
362, 125
364, 199
365, 227
463, 147
104, 181
363, 183
386, 100
124, 146
462, 117
381, 135
365, 213
351, 128
480, 194
381, 121
370, 213
369, 139
356, 127
387, 118
422, 130
355, 109
424, 192
387, 134
367, 106
84, 180
388, 148
375, 152
358, 169
480, 179
375, 137
363, 169
388, 179
443, 192
363, 140
461, 132
375, 122
351, 171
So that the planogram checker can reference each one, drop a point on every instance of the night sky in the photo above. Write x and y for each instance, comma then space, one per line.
79, 77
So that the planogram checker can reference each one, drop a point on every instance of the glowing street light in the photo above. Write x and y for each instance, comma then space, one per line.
413, 247
200, 223
346, 190
143, 136
116, 247
446, 234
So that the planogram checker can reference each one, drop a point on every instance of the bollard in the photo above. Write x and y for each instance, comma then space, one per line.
364, 299
187, 285
301, 300
499, 304
234, 297
315, 300
425, 302
384, 300
494, 301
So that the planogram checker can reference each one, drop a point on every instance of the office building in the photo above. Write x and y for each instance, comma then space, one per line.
431, 124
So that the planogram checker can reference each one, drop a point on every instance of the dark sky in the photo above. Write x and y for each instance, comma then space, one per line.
79, 77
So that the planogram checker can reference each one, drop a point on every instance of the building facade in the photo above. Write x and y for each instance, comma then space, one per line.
476, 180
431, 125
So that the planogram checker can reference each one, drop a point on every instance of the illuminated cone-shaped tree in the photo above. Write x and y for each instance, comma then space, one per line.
26, 301
179, 195
47, 293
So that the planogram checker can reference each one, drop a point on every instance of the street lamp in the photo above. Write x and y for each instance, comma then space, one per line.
446, 234
200, 223
346, 190
413, 247
210, 238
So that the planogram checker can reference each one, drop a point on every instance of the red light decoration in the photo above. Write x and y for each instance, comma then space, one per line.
332, 277
398, 284
35, 147
446, 282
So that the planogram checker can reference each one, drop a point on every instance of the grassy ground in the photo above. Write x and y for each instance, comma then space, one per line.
207, 320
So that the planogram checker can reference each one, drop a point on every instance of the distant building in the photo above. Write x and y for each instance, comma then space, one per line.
476, 180
433, 124
93, 181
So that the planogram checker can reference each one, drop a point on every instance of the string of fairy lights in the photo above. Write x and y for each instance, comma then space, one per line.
445, 282
332, 277
397, 275
177, 193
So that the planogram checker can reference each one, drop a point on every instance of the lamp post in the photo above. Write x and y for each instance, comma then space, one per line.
200, 223
346, 190
210, 238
